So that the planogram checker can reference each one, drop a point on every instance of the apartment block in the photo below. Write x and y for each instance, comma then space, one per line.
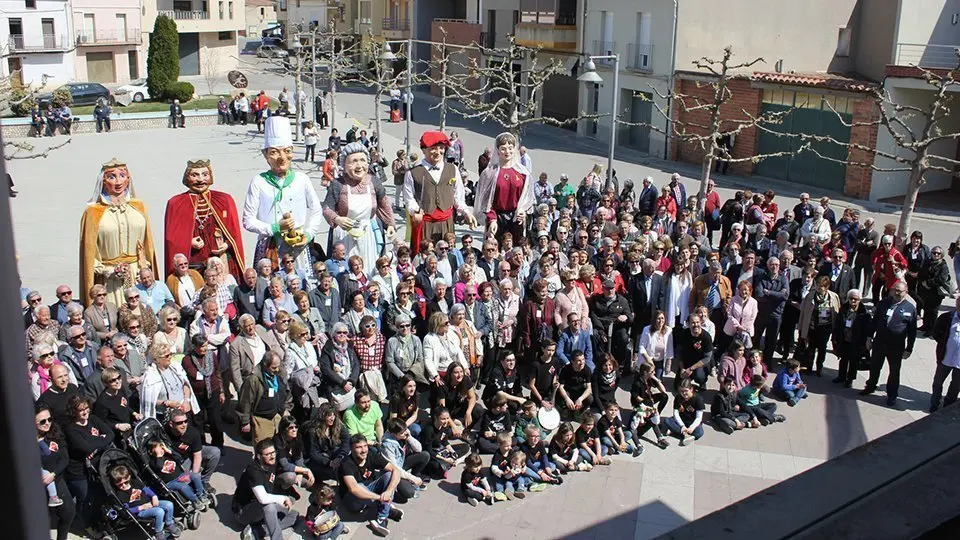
260, 15
208, 31
38, 41
109, 41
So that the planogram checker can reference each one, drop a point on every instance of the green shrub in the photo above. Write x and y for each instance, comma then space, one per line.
163, 56
61, 97
181, 90
22, 102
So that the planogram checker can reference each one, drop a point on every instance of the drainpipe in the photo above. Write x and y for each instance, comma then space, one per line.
673, 68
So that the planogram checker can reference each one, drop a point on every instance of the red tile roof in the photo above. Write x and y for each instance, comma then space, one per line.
816, 80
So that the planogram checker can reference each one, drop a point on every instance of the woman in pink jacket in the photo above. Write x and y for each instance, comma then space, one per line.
741, 314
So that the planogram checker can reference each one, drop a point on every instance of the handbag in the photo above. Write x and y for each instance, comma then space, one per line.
745, 338
803, 353
952, 249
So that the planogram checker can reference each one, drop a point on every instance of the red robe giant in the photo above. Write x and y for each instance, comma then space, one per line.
183, 222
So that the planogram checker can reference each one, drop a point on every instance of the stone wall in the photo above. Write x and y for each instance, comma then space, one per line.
20, 128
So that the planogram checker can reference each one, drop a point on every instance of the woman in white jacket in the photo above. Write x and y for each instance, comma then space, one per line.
441, 347
656, 345
165, 386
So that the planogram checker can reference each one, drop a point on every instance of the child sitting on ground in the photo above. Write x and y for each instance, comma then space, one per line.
527, 417
725, 412
788, 385
588, 439
473, 485
495, 421
504, 481
564, 451
613, 437
647, 404
322, 517
143, 502
687, 420
539, 467
517, 474
750, 402
187, 483
755, 366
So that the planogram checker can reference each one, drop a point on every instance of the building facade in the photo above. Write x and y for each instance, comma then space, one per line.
109, 41
260, 15
38, 41
208, 32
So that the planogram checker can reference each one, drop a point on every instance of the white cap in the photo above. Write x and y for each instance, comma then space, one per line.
276, 133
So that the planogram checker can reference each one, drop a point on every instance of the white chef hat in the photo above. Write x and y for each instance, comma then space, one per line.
276, 133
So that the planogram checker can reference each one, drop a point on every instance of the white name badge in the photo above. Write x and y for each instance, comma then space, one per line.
849, 323
199, 376
328, 302
539, 313
890, 313
270, 392
83, 361
252, 299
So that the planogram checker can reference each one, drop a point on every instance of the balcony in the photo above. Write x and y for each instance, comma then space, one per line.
927, 56
548, 36
131, 36
640, 57
604, 48
178, 15
200, 20
395, 28
38, 43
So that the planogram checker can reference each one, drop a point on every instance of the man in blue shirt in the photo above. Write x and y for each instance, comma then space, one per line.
153, 293
894, 333
574, 339
946, 332
337, 263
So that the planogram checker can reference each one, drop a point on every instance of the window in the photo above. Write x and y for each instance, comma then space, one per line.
220, 10
230, 6
30, 4
844, 37
263, 12
225, 36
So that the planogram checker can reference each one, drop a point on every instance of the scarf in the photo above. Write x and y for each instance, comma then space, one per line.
406, 354
43, 377
205, 366
341, 355
272, 179
608, 379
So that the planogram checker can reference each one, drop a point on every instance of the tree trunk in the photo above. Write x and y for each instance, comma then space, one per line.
376, 113
443, 95
910, 199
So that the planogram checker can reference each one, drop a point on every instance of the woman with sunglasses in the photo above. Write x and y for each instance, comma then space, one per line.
86, 436
369, 346
134, 306
303, 369
100, 314
165, 386
112, 406
310, 318
340, 368
54, 459
933, 285
405, 306
404, 355
132, 328
75, 318
170, 332
41, 377
290, 454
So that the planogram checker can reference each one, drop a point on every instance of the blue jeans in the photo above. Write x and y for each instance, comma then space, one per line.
519, 483
162, 515
209, 460
333, 533
415, 430
674, 427
610, 447
792, 396
190, 489
585, 456
377, 486
51, 487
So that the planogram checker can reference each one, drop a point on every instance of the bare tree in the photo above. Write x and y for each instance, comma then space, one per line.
379, 79
707, 136
212, 73
446, 78
15, 94
507, 94
915, 145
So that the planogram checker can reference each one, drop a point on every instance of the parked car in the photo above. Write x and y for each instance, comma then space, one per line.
137, 90
271, 51
84, 93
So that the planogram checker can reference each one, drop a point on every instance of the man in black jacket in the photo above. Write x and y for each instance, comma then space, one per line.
613, 317
647, 201
894, 333
250, 294
803, 210
771, 290
840, 273
647, 293
945, 331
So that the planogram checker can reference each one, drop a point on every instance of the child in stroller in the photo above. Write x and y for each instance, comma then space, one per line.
142, 503
166, 465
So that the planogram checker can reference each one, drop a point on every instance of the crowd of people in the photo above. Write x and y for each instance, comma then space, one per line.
364, 369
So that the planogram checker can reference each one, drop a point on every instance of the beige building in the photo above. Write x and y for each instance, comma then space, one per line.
208, 31
260, 15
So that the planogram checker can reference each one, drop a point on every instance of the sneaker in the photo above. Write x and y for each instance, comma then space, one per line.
174, 529
471, 501
247, 533
638, 450
396, 514
584, 466
724, 428
779, 418
200, 505
792, 402
509, 495
519, 495
686, 440
538, 487
460, 460
500, 496
379, 527
489, 501
54, 501
663, 443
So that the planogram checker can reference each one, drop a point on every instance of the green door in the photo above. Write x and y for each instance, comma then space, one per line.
811, 116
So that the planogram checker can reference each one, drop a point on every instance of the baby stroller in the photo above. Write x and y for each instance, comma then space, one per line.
117, 517
144, 432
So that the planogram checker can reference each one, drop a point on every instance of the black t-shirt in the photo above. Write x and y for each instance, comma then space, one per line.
85, 440
640, 392
468, 478
455, 400
588, 437
497, 423
57, 401
566, 451
688, 407
690, 349
534, 453
607, 427
167, 467
502, 382
137, 495
405, 407
372, 468
187, 444
500, 460
574, 382
254, 475
113, 409
544, 374
604, 392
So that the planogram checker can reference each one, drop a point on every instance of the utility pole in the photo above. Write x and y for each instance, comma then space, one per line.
313, 70
333, 83
297, 89
410, 73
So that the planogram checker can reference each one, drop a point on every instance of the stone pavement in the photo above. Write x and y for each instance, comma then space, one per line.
640, 497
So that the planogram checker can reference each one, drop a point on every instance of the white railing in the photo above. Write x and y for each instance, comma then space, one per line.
178, 15
640, 57
928, 56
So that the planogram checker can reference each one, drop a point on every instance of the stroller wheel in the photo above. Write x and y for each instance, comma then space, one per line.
193, 521
212, 500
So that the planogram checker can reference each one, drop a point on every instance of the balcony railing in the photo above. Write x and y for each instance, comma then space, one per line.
640, 57
928, 56
604, 48
548, 36
109, 37
41, 43
178, 15
400, 25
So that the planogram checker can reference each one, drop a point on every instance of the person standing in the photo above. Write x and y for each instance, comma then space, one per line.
946, 332
893, 336
310, 138
771, 290
868, 238
101, 113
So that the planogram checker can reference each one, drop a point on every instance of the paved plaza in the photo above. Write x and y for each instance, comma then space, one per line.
638, 498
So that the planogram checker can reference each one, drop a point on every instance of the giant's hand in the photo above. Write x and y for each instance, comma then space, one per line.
287, 222
471, 221
390, 234
344, 222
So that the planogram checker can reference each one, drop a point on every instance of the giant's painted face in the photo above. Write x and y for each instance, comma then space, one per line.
199, 179
279, 159
356, 166
507, 151
116, 180
435, 153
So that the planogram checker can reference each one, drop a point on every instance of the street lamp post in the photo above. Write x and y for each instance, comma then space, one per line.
296, 92
590, 75
388, 56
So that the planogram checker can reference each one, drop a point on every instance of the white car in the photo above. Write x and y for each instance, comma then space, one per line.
137, 90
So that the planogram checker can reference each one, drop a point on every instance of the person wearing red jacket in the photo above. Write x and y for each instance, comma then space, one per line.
889, 266
666, 199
